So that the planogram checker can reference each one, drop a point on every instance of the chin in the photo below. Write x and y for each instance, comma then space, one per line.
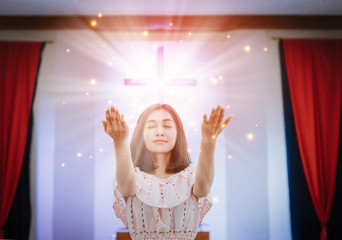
160, 150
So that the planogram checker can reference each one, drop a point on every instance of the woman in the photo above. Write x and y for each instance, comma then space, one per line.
159, 193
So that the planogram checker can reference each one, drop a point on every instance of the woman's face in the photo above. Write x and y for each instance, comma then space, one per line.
160, 132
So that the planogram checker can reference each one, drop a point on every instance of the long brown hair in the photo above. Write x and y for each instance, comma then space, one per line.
143, 158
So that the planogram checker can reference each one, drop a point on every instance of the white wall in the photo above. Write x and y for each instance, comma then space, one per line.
250, 186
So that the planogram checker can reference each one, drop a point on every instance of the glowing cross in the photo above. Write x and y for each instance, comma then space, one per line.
160, 78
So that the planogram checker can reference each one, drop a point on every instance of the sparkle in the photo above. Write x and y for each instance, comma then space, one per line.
90, 156
109, 102
189, 33
87, 93
229, 156
228, 36
171, 24
215, 199
93, 81
79, 155
247, 48
189, 150
213, 80
250, 136
93, 23
63, 164
228, 106
265, 49
145, 33
223, 125
213, 137
100, 15
67, 50
110, 63
101, 149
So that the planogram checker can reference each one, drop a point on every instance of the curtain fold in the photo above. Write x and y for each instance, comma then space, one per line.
314, 77
19, 62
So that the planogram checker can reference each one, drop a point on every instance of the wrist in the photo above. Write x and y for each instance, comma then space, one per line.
209, 141
209, 138
119, 143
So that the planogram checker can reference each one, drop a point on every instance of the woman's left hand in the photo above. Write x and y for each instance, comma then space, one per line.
214, 126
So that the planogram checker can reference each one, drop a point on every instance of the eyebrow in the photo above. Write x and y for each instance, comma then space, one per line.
164, 120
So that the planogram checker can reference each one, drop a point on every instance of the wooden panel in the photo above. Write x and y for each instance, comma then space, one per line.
179, 23
125, 236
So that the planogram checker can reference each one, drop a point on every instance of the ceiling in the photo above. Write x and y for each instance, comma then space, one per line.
170, 7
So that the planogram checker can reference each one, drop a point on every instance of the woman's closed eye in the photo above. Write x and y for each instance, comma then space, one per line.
165, 126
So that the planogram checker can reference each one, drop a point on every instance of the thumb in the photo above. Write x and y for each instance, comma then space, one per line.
104, 123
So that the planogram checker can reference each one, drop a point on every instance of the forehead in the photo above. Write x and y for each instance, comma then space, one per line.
160, 115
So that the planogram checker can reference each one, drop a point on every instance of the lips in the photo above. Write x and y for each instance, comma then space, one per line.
159, 141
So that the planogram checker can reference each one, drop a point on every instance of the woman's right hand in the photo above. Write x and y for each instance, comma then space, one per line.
115, 126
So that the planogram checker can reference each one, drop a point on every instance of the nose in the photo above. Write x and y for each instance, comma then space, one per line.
160, 131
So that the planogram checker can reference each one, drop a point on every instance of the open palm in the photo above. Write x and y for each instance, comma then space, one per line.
214, 126
115, 125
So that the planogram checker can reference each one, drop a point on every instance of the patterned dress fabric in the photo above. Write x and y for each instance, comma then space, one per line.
162, 208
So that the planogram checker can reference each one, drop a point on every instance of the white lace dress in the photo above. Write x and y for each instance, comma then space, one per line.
162, 208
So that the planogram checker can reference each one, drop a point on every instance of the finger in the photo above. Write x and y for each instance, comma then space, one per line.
205, 120
221, 115
212, 116
123, 121
104, 123
217, 116
117, 115
108, 116
112, 113
225, 123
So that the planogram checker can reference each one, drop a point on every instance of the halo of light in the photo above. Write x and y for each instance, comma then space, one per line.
93, 81
93, 23
247, 48
250, 136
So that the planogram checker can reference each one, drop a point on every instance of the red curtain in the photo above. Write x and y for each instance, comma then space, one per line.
18, 70
314, 69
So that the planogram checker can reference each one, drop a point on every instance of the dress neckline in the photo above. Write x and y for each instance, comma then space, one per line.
164, 179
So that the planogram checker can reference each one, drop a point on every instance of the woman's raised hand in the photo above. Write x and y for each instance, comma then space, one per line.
214, 126
115, 125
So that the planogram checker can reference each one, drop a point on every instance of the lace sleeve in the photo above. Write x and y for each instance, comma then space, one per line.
204, 203
119, 204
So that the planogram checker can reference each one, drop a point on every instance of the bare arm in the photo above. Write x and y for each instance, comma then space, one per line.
205, 169
116, 127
